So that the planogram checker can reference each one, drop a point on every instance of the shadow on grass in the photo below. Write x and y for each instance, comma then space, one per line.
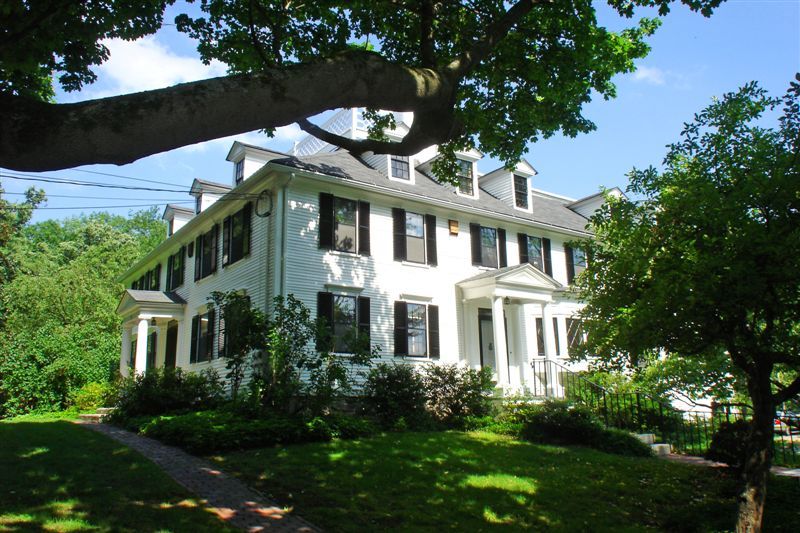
477, 481
55, 476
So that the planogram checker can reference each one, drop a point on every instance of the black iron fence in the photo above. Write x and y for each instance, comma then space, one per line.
687, 431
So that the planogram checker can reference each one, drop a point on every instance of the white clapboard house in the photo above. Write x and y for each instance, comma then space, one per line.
477, 274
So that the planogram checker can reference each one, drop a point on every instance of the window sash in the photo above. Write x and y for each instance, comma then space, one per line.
574, 334
521, 192
465, 181
535, 253
344, 321
417, 330
345, 224
239, 172
488, 247
400, 167
579, 260
415, 238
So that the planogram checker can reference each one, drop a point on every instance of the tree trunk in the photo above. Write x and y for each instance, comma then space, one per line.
759, 457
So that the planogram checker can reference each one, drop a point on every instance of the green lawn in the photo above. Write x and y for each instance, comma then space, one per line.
480, 481
55, 476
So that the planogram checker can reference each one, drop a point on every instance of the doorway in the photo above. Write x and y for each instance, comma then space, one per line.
486, 339
171, 350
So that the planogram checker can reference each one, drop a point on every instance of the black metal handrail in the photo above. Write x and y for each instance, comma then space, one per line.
688, 431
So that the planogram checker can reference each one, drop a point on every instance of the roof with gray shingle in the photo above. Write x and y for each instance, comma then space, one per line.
341, 164
155, 297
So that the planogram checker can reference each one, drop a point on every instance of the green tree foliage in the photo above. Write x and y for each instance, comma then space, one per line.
704, 261
60, 329
491, 73
13, 218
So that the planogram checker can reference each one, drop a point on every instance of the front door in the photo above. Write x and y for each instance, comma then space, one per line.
172, 345
486, 334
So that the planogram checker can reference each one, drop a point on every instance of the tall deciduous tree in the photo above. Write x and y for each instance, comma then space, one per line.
705, 260
496, 73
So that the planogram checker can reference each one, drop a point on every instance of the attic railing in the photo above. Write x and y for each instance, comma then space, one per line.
687, 431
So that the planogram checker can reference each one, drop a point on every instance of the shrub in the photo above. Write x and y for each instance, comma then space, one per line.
729, 444
161, 391
559, 422
394, 393
91, 396
455, 392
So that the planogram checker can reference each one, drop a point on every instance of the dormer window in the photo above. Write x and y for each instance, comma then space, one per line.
238, 172
400, 167
170, 227
521, 192
464, 176
198, 204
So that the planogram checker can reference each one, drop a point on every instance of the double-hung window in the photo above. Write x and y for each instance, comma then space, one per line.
521, 192
205, 253
414, 237
203, 329
488, 246
342, 316
574, 334
466, 183
540, 336
238, 172
536, 251
400, 167
236, 235
576, 262
343, 224
416, 329
175, 268
149, 281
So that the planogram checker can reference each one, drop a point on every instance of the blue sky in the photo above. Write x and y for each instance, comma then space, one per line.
692, 59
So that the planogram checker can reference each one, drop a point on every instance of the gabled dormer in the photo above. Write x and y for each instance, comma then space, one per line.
589, 205
511, 186
206, 193
176, 217
247, 159
467, 174
395, 167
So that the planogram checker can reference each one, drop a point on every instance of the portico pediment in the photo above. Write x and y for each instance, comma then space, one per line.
520, 281
150, 304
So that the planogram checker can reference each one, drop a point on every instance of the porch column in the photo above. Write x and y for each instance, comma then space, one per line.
529, 324
553, 388
140, 364
125, 355
500, 348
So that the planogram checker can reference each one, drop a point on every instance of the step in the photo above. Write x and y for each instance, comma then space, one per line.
661, 449
647, 438
105, 410
91, 418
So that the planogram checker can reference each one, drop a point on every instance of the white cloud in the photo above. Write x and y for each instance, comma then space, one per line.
147, 64
651, 75
283, 140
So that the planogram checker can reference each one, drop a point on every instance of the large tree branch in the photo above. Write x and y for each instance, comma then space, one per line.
787, 393
38, 136
427, 52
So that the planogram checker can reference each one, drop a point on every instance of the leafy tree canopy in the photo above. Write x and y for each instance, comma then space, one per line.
704, 261
483, 72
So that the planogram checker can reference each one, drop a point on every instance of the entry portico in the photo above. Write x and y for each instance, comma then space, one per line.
145, 315
508, 322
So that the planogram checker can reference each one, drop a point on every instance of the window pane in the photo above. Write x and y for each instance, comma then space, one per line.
540, 337
344, 213
414, 225
202, 344
521, 191
489, 247
574, 334
400, 167
415, 238
465, 185
579, 259
344, 321
535, 256
417, 337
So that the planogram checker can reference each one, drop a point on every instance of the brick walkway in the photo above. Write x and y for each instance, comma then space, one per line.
699, 461
233, 501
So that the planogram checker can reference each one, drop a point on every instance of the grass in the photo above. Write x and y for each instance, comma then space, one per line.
480, 481
55, 476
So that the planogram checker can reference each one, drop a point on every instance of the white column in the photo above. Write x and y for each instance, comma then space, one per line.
125, 355
140, 364
529, 324
553, 388
500, 348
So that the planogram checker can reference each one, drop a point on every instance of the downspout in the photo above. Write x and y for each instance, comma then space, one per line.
284, 231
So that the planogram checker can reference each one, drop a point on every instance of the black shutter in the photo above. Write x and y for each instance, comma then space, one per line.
182, 266
214, 248
246, 225
325, 319
430, 239
363, 316
326, 221
501, 246
198, 258
556, 335
158, 278
522, 240
210, 338
475, 241
399, 229
170, 267
195, 329
548, 260
570, 264
226, 241
363, 228
400, 328
433, 331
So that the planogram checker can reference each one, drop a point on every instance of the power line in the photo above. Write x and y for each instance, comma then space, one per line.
20, 207
172, 200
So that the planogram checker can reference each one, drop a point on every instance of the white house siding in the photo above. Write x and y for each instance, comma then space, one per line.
499, 185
